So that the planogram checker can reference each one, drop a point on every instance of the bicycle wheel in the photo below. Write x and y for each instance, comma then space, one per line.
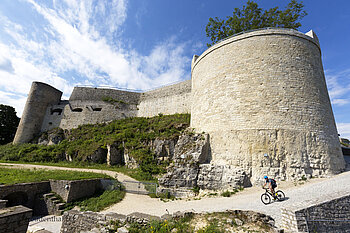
280, 195
265, 198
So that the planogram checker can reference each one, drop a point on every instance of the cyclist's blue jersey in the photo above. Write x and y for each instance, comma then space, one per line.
273, 182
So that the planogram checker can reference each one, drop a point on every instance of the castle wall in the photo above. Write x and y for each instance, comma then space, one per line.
86, 105
167, 100
262, 98
40, 97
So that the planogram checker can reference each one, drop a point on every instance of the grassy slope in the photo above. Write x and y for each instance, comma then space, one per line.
14, 176
133, 133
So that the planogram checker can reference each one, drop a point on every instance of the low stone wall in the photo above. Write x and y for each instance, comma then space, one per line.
14, 219
71, 190
326, 214
23, 194
76, 221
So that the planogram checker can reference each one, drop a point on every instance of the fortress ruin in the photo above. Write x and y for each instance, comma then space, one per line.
261, 96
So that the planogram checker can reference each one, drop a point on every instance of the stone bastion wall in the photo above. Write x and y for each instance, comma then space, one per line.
44, 109
39, 98
262, 97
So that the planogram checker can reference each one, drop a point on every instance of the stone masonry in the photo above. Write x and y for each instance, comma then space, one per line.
14, 219
262, 98
325, 214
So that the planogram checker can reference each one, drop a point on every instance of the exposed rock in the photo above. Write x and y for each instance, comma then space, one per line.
99, 156
52, 137
129, 161
190, 150
115, 154
191, 167
221, 177
122, 230
164, 149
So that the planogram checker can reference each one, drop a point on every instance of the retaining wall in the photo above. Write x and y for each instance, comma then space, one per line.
325, 214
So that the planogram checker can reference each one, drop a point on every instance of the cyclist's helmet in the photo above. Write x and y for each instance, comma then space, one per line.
265, 177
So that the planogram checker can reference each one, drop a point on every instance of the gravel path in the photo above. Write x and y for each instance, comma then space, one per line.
248, 199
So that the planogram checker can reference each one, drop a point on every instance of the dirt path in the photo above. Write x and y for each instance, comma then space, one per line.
248, 199
119, 176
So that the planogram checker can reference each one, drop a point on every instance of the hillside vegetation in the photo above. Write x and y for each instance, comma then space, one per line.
133, 134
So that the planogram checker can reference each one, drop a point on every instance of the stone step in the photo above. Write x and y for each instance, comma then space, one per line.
60, 206
47, 195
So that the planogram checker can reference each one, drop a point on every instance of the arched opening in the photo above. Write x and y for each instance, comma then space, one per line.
16, 198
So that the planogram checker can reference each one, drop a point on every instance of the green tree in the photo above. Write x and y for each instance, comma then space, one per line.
8, 123
253, 17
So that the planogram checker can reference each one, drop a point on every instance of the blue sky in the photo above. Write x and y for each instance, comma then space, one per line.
141, 44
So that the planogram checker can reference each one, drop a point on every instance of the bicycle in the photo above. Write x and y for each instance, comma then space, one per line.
266, 197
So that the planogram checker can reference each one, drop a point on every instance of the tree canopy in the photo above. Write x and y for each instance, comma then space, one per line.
8, 123
253, 17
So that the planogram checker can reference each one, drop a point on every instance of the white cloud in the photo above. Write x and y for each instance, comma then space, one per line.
76, 41
338, 84
344, 130
16, 101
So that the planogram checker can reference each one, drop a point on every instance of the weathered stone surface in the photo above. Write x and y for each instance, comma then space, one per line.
264, 93
99, 156
115, 154
52, 137
191, 150
222, 177
14, 219
76, 221
163, 149
324, 214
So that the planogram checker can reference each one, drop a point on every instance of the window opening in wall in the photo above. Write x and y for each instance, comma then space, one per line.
58, 110
77, 109
96, 109
50, 123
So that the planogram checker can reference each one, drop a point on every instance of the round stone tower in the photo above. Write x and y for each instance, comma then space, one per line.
262, 97
40, 97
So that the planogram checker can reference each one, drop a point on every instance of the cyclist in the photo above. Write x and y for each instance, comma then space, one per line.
271, 183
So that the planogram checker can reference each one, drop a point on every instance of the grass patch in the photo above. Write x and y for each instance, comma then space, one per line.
99, 202
137, 174
14, 176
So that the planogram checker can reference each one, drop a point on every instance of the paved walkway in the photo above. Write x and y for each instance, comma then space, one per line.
248, 199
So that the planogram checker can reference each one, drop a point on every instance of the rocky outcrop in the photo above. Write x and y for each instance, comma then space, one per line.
191, 167
222, 177
51, 137
190, 151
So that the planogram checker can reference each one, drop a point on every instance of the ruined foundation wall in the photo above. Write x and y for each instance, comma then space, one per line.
262, 97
